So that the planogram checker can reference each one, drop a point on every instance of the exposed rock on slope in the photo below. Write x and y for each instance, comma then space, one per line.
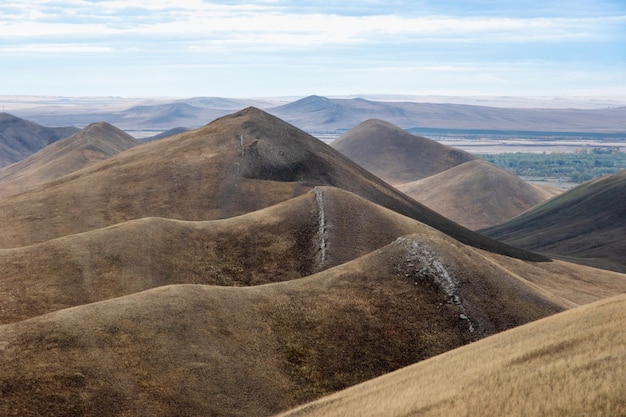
518, 379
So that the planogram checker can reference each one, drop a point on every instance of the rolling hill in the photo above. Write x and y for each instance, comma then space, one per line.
244, 268
585, 224
323, 228
475, 194
237, 164
205, 350
396, 155
569, 364
20, 138
94, 143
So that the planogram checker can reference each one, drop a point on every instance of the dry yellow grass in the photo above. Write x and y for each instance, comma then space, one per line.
571, 364
475, 194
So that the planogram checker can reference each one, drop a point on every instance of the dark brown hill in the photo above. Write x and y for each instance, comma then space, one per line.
94, 143
20, 138
237, 164
396, 155
475, 194
202, 350
586, 224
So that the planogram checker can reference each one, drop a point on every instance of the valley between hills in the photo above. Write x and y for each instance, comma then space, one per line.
246, 268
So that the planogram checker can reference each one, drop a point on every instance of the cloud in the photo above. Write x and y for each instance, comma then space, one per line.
202, 26
345, 46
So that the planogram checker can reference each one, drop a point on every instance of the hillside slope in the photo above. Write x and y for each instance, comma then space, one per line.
396, 155
585, 224
20, 138
93, 143
569, 364
229, 351
475, 194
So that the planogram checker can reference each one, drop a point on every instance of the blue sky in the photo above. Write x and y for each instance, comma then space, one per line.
269, 48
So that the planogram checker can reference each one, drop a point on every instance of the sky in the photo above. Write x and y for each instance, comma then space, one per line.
272, 48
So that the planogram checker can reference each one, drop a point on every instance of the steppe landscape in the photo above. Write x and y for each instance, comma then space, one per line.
246, 268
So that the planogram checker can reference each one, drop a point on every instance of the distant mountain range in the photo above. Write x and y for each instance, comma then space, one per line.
321, 114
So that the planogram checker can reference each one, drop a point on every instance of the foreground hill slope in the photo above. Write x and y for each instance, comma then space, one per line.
20, 138
238, 351
475, 194
93, 143
396, 155
234, 165
573, 363
585, 224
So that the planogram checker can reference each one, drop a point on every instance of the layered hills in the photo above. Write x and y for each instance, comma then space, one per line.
94, 143
245, 268
237, 164
20, 138
476, 194
205, 350
396, 155
570, 364
315, 113
585, 224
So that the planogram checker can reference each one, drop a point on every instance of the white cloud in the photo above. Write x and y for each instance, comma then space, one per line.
206, 25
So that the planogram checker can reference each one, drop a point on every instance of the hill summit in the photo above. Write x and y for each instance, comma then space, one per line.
93, 143
396, 155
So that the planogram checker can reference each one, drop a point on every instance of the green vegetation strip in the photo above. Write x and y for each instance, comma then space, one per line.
577, 167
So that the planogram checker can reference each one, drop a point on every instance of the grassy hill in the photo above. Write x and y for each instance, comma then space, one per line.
475, 194
586, 224
206, 350
569, 364
245, 268
396, 155
20, 138
94, 143
237, 164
